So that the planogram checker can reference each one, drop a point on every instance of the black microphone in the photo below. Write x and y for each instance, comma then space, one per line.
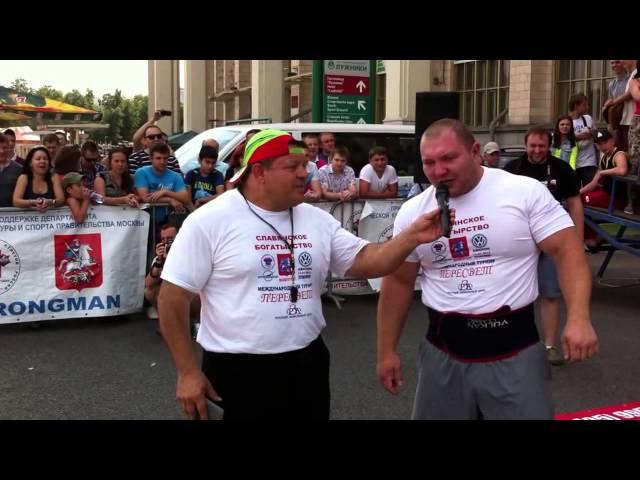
442, 196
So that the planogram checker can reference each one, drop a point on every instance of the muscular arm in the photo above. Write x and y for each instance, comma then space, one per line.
566, 249
380, 259
193, 386
576, 212
395, 299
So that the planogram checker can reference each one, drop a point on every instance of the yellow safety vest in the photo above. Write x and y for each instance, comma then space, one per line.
573, 156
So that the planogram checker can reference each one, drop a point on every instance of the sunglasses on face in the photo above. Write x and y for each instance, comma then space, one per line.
155, 137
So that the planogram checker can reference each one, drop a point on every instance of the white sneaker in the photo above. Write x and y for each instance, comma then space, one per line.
152, 313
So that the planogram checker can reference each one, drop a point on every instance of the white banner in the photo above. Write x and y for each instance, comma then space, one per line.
348, 214
53, 268
376, 225
368, 219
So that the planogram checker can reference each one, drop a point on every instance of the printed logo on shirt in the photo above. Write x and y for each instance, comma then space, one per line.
479, 240
267, 275
294, 309
305, 259
268, 262
439, 250
155, 187
285, 265
465, 286
386, 234
459, 247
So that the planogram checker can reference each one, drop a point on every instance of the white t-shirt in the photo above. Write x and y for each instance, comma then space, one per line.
242, 271
491, 257
586, 148
629, 105
378, 184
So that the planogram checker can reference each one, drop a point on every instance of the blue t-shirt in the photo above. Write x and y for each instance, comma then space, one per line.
146, 177
202, 186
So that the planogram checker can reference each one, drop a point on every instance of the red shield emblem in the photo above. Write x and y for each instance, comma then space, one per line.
78, 261
459, 247
285, 266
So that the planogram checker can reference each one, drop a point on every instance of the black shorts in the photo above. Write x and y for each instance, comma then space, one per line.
288, 385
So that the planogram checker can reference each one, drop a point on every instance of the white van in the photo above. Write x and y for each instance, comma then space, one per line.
399, 140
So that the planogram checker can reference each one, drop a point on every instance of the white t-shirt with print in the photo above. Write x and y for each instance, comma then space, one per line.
586, 148
242, 271
378, 184
491, 257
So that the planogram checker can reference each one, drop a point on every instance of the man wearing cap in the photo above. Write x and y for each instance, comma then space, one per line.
258, 257
491, 155
597, 193
62, 137
560, 179
77, 196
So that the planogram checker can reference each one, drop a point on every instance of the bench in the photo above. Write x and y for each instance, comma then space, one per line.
621, 240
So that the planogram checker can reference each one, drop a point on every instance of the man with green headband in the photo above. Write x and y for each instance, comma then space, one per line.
258, 256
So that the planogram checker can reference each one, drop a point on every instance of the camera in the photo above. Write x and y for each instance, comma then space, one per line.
167, 245
165, 113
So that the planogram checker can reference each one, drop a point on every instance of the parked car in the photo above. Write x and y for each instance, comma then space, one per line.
509, 153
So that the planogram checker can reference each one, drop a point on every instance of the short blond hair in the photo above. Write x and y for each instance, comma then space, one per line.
437, 128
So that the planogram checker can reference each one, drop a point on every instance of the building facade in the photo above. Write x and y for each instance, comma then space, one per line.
499, 99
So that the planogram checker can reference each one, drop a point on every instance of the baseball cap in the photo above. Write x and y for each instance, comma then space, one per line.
71, 178
266, 144
603, 135
491, 147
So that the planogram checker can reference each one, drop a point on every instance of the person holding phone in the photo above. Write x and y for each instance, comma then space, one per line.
138, 136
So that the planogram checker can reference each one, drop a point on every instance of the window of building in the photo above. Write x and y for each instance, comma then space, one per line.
582, 76
484, 90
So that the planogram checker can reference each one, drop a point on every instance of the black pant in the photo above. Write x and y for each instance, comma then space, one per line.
289, 385
585, 174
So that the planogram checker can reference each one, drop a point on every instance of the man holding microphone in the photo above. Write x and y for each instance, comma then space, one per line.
481, 356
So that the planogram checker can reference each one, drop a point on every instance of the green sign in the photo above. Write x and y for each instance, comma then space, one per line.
348, 91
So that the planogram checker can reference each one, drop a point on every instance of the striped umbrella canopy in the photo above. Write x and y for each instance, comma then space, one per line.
16, 105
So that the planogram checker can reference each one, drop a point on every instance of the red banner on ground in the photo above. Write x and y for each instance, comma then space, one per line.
626, 411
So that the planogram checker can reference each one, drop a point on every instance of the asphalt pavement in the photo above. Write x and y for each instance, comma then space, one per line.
119, 368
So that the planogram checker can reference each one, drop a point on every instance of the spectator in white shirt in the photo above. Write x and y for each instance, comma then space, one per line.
378, 179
